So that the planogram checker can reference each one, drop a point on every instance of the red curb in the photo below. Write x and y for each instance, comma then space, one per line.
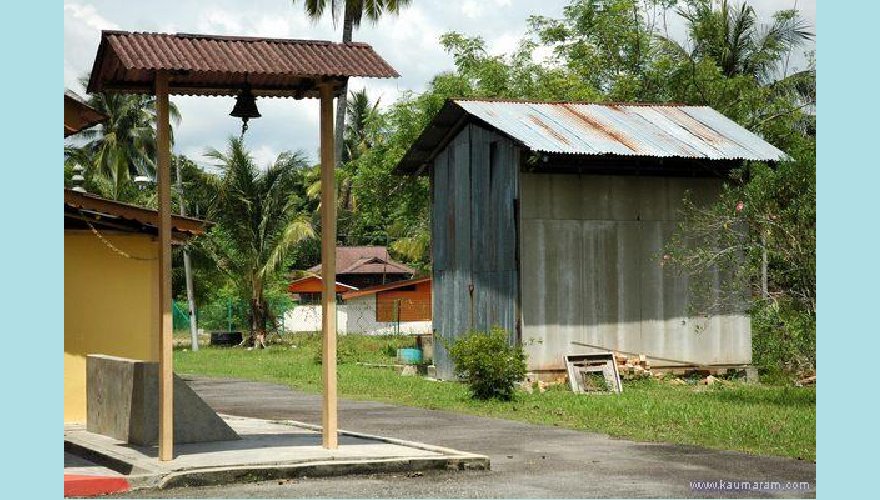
90, 486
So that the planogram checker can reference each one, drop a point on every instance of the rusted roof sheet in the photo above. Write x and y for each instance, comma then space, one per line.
315, 284
643, 130
386, 287
78, 115
219, 65
103, 211
365, 260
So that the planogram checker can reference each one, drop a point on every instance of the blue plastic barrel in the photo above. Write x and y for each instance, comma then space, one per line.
410, 356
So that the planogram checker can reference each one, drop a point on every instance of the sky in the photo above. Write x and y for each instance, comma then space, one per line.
409, 42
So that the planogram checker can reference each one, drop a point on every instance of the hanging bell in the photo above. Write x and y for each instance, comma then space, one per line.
245, 107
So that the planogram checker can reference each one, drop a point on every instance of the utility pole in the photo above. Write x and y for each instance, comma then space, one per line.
187, 269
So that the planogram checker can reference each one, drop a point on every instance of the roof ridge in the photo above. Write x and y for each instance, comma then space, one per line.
237, 38
597, 103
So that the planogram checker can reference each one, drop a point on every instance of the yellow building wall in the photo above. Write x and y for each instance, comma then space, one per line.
109, 306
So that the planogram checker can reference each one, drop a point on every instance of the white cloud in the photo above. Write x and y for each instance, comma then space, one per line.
505, 44
87, 16
220, 21
82, 32
472, 8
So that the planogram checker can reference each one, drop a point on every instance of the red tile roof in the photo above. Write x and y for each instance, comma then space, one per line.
219, 65
366, 260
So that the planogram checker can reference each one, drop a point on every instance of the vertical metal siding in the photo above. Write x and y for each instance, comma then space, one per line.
478, 243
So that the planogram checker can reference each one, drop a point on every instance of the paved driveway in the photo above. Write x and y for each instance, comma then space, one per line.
528, 461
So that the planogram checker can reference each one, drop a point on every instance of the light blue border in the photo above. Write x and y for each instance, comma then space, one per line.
848, 174
32, 247
848, 277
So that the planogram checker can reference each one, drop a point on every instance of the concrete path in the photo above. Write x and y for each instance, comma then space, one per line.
78, 466
528, 461
264, 450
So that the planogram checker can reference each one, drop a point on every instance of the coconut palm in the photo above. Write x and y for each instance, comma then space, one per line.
124, 145
256, 223
357, 139
730, 35
353, 13
359, 112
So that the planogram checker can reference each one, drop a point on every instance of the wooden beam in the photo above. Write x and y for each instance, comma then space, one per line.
163, 178
328, 269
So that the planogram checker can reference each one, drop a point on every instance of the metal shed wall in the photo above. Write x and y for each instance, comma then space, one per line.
590, 247
473, 188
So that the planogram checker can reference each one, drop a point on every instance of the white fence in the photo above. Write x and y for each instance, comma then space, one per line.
355, 316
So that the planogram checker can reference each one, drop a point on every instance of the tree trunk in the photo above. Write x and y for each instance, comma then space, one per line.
342, 100
258, 321
187, 269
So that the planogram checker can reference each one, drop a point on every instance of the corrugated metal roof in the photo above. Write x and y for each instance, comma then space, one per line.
623, 129
384, 287
315, 284
78, 115
643, 130
144, 219
216, 65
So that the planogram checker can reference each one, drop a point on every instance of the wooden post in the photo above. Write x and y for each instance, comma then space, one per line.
163, 180
328, 269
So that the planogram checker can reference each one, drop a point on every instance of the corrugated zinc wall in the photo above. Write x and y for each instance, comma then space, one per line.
474, 185
590, 248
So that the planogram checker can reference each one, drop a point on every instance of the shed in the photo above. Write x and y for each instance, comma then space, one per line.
548, 219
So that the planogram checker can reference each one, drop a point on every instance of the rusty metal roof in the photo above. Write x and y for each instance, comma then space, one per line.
78, 115
111, 213
219, 65
394, 285
638, 130
315, 284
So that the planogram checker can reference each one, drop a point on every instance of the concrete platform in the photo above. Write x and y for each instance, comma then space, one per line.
267, 450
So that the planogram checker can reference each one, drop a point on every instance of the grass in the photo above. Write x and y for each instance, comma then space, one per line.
766, 420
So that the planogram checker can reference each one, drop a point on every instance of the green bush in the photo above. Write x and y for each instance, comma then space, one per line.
783, 340
488, 363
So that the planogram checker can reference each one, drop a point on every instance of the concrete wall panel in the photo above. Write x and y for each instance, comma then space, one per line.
591, 272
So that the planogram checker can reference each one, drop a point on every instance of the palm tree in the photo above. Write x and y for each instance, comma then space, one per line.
731, 36
357, 139
256, 223
353, 13
124, 145
359, 112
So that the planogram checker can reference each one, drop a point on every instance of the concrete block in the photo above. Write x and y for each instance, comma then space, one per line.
122, 401
426, 344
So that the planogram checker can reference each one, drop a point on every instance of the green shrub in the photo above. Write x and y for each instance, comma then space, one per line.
783, 340
390, 351
488, 363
